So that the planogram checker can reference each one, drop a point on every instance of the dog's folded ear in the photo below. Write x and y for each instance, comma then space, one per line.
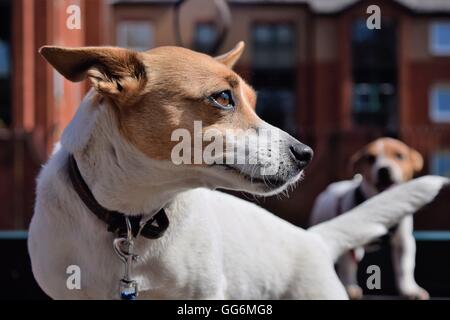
114, 72
357, 160
417, 160
231, 57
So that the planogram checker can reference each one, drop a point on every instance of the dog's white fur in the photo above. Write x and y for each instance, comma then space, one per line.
217, 246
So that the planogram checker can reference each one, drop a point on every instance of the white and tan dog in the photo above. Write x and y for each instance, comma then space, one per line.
379, 165
216, 245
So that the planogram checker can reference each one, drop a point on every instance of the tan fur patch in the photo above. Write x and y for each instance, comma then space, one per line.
161, 90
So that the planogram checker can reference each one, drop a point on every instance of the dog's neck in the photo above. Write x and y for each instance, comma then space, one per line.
121, 177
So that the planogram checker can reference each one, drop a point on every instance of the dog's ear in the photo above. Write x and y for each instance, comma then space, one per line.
357, 160
114, 72
417, 160
231, 57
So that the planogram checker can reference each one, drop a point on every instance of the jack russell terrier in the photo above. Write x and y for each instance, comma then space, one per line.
378, 166
113, 177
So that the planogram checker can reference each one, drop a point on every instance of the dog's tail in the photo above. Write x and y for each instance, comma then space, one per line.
376, 216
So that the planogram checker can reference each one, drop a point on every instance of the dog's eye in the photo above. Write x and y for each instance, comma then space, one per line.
222, 100
370, 158
399, 156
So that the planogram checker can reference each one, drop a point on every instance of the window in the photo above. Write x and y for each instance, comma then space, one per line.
5, 63
440, 163
440, 103
440, 38
374, 72
372, 102
205, 37
274, 73
274, 45
136, 35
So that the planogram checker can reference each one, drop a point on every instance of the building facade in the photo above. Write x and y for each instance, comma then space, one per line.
320, 73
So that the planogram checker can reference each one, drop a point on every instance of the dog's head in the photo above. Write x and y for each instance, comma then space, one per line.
160, 96
385, 162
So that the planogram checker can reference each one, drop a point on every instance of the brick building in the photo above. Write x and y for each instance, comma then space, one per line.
321, 75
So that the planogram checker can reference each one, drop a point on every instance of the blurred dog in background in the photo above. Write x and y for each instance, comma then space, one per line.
377, 167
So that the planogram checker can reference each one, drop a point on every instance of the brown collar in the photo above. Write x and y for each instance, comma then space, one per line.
152, 229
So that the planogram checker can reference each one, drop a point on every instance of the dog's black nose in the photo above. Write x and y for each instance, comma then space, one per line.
384, 175
301, 153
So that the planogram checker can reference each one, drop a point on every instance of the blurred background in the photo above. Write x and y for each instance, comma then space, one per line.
320, 73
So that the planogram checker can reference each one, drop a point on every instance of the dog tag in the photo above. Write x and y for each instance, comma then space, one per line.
124, 249
128, 289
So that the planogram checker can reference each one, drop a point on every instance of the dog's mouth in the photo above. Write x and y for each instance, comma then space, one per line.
269, 181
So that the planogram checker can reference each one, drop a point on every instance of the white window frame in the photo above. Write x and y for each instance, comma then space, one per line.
434, 113
435, 48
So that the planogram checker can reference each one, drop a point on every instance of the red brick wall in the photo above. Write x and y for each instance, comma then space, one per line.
39, 111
